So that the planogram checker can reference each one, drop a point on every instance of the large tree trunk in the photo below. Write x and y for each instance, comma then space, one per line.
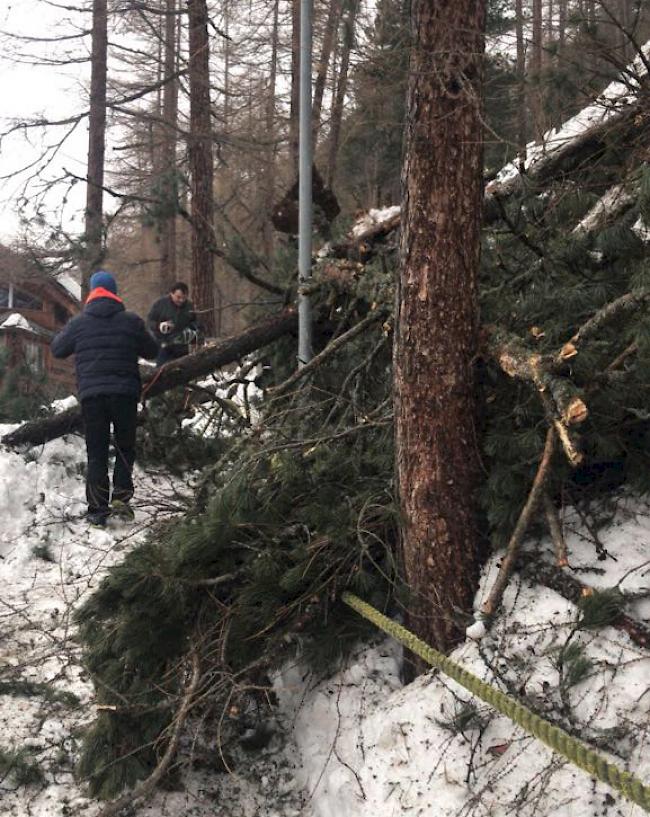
437, 318
522, 139
168, 153
200, 153
96, 144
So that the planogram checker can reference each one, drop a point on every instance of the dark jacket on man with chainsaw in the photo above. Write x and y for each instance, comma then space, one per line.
172, 320
163, 310
107, 341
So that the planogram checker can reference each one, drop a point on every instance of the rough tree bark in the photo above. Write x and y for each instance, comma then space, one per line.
200, 154
522, 137
96, 144
437, 318
269, 171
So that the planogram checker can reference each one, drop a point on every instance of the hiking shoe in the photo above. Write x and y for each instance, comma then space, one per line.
122, 510
96, 519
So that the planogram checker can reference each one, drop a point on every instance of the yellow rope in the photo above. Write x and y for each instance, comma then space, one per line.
557, 739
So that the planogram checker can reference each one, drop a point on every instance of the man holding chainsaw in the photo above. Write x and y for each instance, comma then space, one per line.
173, 322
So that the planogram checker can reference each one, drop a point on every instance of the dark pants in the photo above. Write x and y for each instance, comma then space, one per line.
167, 353
99, 413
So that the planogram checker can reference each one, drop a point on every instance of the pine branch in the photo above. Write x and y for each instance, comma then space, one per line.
559, 543
327, 352
147, 786
573, 590
611, 312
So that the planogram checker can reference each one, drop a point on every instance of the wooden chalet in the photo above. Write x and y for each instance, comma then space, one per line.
33, 308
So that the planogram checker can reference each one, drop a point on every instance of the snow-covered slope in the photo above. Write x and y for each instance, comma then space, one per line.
356, 744
371, 748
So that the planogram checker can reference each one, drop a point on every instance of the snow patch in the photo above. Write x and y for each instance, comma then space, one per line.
16, 320
374, 217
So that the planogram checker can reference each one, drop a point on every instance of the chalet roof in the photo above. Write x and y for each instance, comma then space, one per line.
72, 287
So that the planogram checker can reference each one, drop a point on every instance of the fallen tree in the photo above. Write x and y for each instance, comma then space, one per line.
175, 373
559, 156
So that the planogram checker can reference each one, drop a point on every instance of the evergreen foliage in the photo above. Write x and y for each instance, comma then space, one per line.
601, 608
32, 689
288, 514
541, 282
371, 150
24, 394
166, 438
287, 520
19, 765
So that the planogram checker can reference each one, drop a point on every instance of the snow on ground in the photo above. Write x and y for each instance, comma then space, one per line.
49, 560
371, 748
358, 743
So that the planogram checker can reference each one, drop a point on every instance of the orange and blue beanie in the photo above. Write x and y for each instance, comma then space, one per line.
103, 280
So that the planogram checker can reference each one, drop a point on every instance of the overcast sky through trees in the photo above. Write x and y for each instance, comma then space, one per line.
32, 91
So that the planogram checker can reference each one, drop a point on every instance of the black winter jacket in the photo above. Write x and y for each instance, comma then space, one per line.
164, 309
106, 341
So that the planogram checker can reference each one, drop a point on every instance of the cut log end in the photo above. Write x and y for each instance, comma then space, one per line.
576, 412
568, 351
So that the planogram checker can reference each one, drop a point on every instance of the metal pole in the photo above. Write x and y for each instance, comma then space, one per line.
304, 187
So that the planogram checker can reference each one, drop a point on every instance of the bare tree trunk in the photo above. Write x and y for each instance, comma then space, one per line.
269, 181
437, 318
548, 31
624, 23
226, 67
562, 4
341, 89
331, 24
522, 136
200, 155
295, 86
96, 143
536, 72
169, 193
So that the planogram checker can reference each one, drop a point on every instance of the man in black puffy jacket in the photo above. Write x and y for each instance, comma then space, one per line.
107, 342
